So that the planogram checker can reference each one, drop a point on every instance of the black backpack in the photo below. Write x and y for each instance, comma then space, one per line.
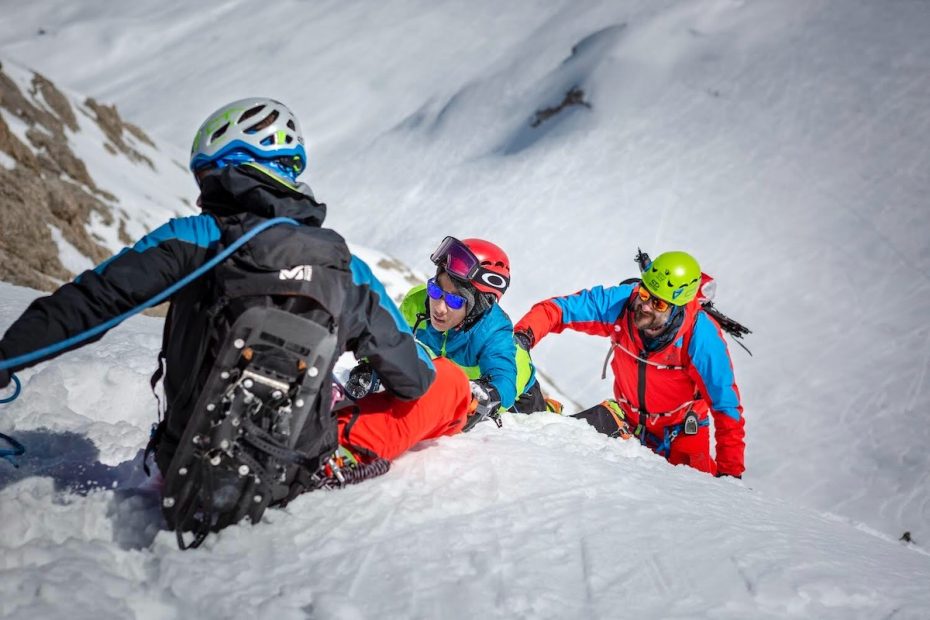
263, 416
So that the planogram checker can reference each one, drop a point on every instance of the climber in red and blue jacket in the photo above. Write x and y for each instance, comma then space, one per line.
672, 369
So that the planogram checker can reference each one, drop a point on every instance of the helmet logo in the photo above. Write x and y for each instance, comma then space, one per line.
494, 280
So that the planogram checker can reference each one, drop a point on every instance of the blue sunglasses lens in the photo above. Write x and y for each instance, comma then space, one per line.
433, 289
452, 300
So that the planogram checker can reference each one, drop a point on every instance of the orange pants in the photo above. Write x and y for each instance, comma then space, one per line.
388, 426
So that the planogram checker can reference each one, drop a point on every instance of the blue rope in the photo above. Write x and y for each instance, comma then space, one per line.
157, 299
17, 448
8, 454
17, 388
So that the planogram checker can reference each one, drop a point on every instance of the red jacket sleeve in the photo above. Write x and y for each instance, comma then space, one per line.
730, 436
542, 318
591, 311
712, 370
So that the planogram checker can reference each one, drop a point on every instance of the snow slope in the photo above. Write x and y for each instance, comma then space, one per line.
541, 519
783, 143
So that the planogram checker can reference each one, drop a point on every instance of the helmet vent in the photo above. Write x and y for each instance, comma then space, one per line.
219, 132
290, 125
265, 122
251, 112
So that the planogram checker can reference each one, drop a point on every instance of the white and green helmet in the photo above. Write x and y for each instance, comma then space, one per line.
254, 129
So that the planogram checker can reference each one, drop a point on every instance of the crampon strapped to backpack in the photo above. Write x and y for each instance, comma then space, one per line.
706, 298
261, 428
239, 450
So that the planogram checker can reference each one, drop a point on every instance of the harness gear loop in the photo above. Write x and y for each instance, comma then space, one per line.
648, 414
670, 433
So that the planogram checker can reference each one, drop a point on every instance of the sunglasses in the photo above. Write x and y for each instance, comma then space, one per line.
455, 302
660, 305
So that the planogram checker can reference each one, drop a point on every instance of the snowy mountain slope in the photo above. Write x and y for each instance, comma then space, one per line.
543, 518
782, 143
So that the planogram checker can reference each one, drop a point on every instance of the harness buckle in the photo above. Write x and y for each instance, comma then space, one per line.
690, 423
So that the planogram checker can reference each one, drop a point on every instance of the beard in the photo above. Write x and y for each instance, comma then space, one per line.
650, 322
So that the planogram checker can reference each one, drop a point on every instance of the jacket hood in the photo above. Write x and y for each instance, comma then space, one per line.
237, 190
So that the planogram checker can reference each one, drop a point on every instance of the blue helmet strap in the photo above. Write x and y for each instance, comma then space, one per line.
282, 166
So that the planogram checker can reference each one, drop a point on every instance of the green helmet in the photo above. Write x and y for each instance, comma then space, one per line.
674, 277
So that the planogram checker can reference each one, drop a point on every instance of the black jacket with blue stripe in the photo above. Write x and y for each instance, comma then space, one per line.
233, 201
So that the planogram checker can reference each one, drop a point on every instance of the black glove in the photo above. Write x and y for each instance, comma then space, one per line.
524, 339
485, 403
363, 380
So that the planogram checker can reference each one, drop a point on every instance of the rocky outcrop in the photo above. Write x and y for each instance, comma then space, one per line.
49, 186
114, 128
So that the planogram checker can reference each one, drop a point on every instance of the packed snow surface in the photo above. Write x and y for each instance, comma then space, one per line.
784, 144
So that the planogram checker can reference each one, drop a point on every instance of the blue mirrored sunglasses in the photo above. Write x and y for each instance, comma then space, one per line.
455, 302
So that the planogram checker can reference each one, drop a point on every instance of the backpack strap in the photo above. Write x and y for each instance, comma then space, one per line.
158, 429
156, 377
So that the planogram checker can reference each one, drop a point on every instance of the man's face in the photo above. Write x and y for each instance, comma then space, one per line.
647, 318
441, 316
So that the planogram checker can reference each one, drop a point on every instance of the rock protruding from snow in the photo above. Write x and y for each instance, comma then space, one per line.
52, 207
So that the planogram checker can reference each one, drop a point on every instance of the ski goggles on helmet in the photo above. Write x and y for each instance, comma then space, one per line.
459, 261
455, 302
660, 305
455, 257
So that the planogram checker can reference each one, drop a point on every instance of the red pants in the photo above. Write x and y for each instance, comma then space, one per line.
690, 450
694, 451
389, 427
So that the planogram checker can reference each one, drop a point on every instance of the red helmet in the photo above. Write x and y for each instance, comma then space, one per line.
480, 262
